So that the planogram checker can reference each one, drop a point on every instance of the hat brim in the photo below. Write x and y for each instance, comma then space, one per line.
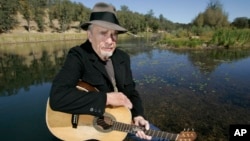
105, 25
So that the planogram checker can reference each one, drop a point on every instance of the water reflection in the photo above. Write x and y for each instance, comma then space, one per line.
29, 64
203, 89
208, 60
206, 89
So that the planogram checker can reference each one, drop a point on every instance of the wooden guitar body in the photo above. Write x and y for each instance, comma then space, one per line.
59, 124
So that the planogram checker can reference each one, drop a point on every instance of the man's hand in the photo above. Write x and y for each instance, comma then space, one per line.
118, 99
140, 121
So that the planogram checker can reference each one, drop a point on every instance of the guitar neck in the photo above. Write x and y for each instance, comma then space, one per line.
133, 129
161, 134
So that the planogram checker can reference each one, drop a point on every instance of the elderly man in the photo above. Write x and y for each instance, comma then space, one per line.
99, 63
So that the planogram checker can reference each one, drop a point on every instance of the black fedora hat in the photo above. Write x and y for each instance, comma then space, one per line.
104, 15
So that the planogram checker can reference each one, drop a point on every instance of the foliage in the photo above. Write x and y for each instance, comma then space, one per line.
231, 38
213, 16
171, 41
26, 9
66, 12
241, 22
224, 37
39, 14
136, 25
7, 15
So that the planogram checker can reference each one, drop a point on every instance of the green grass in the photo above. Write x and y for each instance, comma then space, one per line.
216, 38
231, 37
181, 42
39, 37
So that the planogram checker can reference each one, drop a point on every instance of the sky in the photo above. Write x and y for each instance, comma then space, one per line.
178, 11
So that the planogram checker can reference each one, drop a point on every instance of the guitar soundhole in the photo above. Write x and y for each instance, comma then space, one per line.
104, 123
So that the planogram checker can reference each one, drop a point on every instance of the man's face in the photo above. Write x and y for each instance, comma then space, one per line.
103, 41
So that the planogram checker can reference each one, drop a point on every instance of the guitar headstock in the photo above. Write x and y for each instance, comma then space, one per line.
187, 135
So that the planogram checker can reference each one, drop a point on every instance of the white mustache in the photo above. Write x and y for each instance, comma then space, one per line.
106, 45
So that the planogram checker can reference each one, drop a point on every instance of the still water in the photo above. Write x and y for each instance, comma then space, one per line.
202, 89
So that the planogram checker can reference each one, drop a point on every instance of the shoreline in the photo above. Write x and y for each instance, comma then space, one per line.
34, 37
15, 38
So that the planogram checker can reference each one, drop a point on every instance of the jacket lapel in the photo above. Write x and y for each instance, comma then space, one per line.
100, 67
93, 58
118, 63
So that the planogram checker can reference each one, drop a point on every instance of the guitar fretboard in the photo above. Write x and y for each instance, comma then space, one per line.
133, 129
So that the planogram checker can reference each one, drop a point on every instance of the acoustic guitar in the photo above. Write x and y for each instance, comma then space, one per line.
112, 126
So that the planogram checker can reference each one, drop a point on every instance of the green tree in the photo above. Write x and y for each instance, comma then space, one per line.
199, 21
165, 24
39, 18
39, 12
241, 22
66, 11
65, 14
152, 22
53, 12
27, 10
8, 10
125, 16
125, 8
213, 16
81, 13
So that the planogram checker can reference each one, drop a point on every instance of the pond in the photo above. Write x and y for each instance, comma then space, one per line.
202, 89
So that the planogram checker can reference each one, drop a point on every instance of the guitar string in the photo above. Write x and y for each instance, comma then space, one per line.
133, 128
103, 124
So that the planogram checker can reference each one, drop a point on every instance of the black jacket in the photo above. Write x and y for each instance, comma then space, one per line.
83, 63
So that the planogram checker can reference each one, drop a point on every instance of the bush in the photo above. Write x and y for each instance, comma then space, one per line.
231, 37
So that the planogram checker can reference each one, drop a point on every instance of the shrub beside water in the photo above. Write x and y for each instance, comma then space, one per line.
180, 42
231, 38
220, 38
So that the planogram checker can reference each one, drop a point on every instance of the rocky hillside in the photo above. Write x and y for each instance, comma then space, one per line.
22, 26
